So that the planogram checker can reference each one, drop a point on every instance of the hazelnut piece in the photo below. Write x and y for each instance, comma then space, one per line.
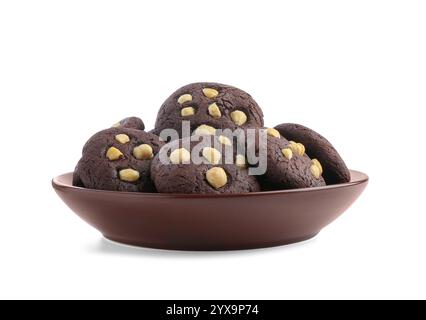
212, 155
273, 133
216, 177
114, 154
188, 111
210, 93
122, 138
180, 156
214, 111
205, 129
240, 161
315, 162
287, 153
316, 172
129, 175
143, 152
238, 117
184, 98
225, 140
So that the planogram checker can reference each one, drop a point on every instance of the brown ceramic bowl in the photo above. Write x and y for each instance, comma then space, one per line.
210, 222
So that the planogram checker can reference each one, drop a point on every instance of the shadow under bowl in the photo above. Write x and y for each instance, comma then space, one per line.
210, 221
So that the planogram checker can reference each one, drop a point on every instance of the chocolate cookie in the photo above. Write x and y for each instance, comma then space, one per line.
208, 106
318, 147
131, 123
201, 164
288, 166
117, 159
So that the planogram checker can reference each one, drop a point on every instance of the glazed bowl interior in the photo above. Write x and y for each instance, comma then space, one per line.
210, 221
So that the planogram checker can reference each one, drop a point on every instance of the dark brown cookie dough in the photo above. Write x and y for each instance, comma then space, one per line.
131, 123
214, 105
318, 147
117, 159
223, 171
288, 166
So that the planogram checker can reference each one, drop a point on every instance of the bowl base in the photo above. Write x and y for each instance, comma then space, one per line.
207, 247
209, 222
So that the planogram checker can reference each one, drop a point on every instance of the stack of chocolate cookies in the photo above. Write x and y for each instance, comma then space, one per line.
208, 138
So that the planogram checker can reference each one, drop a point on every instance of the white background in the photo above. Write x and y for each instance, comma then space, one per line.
353, 70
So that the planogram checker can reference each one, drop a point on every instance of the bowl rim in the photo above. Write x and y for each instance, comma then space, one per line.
357, 177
